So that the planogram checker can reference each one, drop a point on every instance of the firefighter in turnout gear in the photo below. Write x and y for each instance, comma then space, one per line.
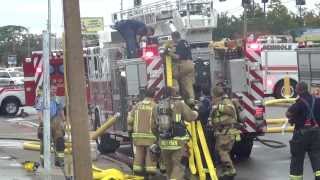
173, 136
304, 114
57, 117
141, 126
224, 120
183, 67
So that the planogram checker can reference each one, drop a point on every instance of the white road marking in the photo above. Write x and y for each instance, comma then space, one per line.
11, 144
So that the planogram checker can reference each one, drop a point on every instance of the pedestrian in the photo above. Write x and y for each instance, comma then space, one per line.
141, 126
183, 67
132, 31
173, 136
57, 118
223, 120
304, 114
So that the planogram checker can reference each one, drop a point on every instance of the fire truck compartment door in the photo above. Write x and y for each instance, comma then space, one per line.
309, 66
238, 75
136, 75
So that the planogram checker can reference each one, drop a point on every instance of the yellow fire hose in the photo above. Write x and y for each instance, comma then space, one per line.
274, 102
287, 87
279, 129
35, 146
114, 174
276, 121
109, 122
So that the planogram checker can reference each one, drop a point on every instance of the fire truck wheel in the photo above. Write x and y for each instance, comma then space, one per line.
242, 149
279, 89
10, 106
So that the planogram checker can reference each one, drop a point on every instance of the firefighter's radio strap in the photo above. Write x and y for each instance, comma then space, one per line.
310, 120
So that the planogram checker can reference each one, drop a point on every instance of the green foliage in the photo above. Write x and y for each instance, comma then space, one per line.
278, 20
14, 40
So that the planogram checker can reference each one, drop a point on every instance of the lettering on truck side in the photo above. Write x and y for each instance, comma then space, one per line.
277, 47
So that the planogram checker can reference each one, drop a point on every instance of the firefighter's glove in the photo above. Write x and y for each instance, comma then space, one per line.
155, 149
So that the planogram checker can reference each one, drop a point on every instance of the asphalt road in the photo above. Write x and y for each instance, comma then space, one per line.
265, 163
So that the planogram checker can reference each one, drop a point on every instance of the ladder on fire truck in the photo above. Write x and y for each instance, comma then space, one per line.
185, 15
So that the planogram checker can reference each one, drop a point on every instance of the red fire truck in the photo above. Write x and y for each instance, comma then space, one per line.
111, 80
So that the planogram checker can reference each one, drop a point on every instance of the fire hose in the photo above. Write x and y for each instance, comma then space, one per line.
271, 143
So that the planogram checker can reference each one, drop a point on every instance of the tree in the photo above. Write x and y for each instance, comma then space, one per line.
279, 19
15, 40
227, 26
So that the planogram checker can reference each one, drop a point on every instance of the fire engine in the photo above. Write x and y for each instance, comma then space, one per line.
114, 82
195, 21
275, 57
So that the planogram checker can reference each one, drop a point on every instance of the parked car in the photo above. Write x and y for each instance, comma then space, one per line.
20, 69
11, 78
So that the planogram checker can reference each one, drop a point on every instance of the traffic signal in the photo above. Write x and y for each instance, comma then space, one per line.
264, 1
137, 3
300, 2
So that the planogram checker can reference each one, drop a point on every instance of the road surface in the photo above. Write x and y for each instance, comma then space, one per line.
265, 163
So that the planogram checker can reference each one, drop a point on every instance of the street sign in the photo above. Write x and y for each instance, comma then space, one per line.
91, 24
12, 59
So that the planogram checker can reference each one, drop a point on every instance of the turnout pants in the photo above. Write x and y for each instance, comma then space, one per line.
57, 135
223, 146
183, 74
306, 140
144, 160
172, 162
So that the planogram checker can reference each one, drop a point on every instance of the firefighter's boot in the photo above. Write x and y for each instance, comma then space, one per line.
59, 156
59, 159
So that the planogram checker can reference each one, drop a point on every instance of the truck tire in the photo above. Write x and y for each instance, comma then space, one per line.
10, 106
242, 149
96, 125
279, 89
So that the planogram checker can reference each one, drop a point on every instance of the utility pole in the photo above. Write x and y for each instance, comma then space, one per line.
245, 21
46, 98
76, 100
264, 9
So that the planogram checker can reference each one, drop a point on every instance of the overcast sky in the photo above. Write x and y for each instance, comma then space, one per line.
33, 13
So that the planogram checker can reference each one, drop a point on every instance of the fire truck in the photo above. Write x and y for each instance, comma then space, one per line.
276, 58
114, 82
195, 21
309, 68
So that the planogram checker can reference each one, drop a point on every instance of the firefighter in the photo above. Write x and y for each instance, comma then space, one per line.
172, 134
57, 118
223, 121
183, 67
141, 126
304, 114
132, 31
